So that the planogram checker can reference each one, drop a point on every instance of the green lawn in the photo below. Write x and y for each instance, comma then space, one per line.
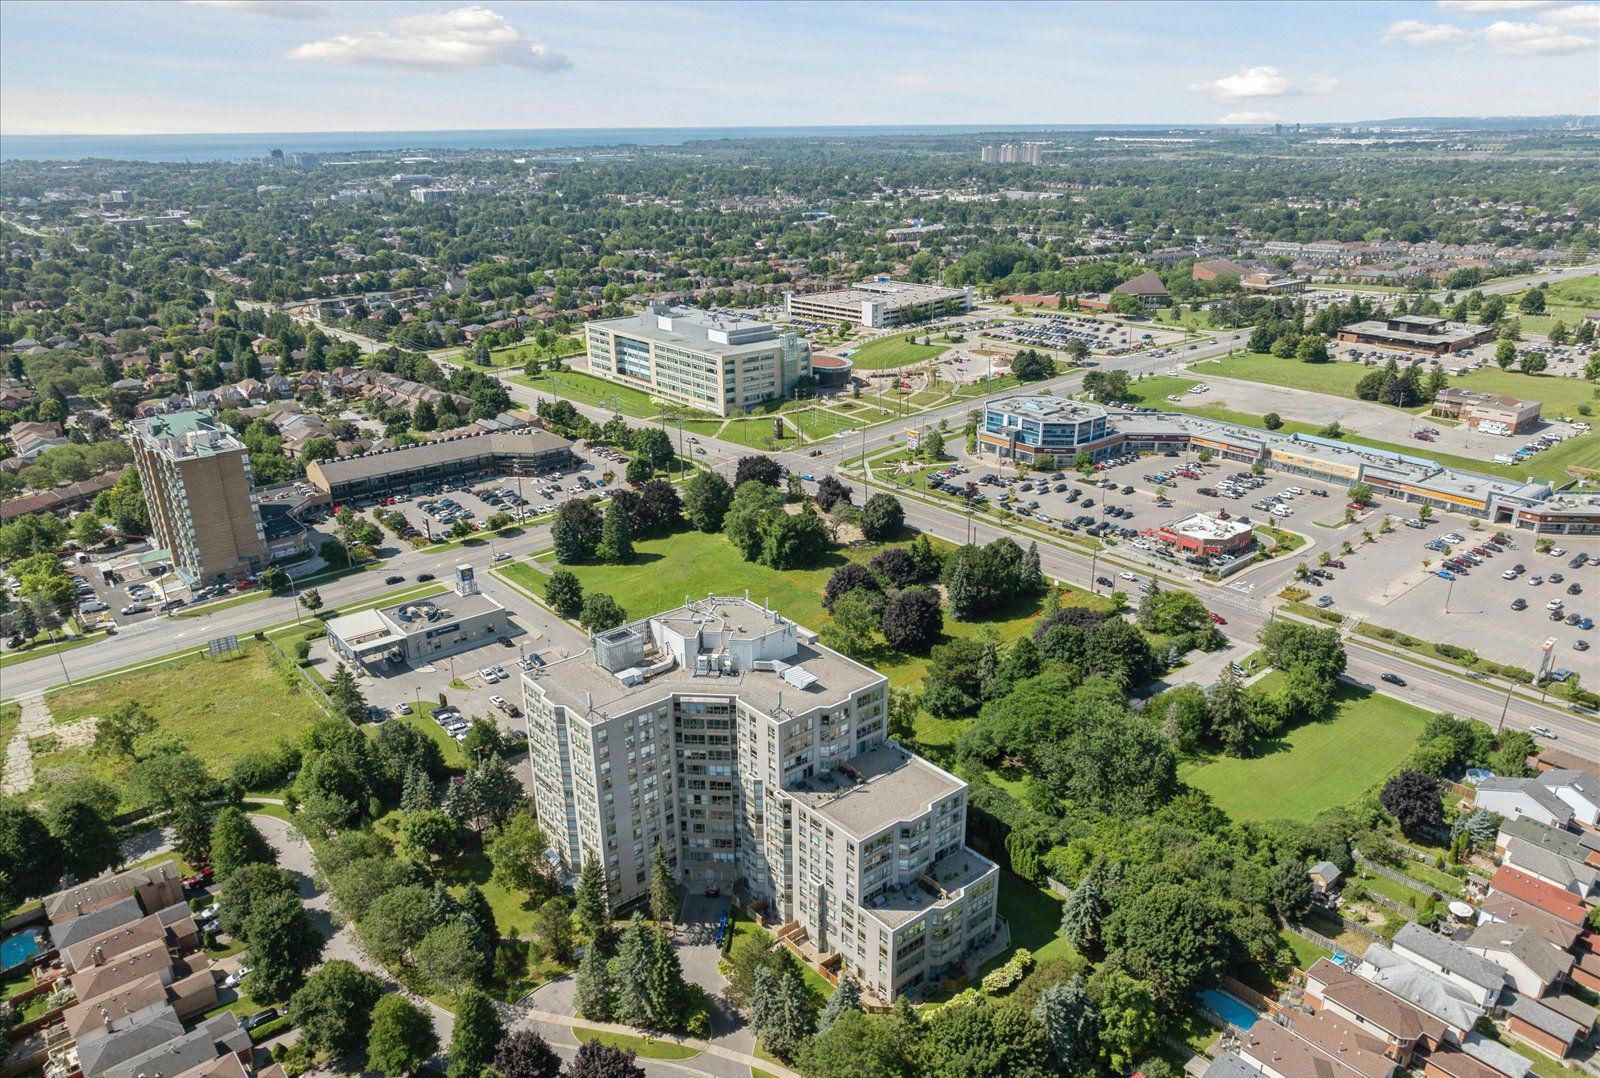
646, 1048
1306, 953
10, 717
587, 389
817, 424
422, 718
1316, 765
221, 709
896, 351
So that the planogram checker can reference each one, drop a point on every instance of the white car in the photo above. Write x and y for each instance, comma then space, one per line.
1543, 731
488, 675
232, 980
1554, 604
498, 701
1557, 551
1125, 575
1452, 537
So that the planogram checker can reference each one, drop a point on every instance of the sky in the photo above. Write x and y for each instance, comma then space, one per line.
198, 66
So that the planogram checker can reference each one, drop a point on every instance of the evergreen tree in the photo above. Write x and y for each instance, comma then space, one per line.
417, 794
1031, 576
781, 1007
666, 992
844, 999
663, 892
346, 695
1067, 1016
474, 905
630, 974
616, 536
478, 1031
593, 907
594, 992
1082, 913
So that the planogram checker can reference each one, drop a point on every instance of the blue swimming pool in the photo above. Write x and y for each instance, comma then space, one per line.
1229, 1008
18, 949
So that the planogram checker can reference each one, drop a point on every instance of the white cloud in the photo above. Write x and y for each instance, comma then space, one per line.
1534, 39
1413, 32
1252, 83
1249, 118
468, 37
273, 9
1479, 7
1578, 17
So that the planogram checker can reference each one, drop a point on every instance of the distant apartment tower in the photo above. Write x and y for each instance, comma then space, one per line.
1013, 153
759, 761
198, 488
716, 362
429, 195
879, 303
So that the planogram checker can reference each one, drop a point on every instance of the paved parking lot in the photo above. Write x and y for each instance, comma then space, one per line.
1103, 336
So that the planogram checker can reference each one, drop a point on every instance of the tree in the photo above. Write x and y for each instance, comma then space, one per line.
666, 991
236, 842
275, 581
1082, 913
601, 612
594, 987
616, 536
882, 517
519, 852
1412, 798
630, 974
1067, 1017
1532, 301
346, 696
247, 888
1505, 354
552, 929
1272, 421
793, 541
88, 843
844, 999
478, 1031
913, 620
593, 904
576, 531
117, 733
855, 620
749, 954
780, 1007
401, 1038
663, 892
431, 833
333, 1009
452, 955
705, 499
284, 944
1534, 363
191, 828
311, 600
855, 1046
758, 469
523, 1053
831, 492
1170, 936
564, 593
1130, 1021
983, 1039
1291, 890
595, 1059
1312, 349
638, 471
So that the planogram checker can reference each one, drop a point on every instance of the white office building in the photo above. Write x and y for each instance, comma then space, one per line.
879, 303
704, 359
759, 760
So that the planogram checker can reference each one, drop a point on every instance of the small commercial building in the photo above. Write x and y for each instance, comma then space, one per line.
1207, 536
1147, 288
420, 630
1418, 333
1031, 427
831, 371
880, 303
1272, 284
459, 459
1492, 412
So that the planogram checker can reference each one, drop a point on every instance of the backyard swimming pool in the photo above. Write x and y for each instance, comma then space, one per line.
17, 950
1229, 1008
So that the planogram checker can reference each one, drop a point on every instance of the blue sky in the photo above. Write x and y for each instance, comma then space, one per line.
275, 65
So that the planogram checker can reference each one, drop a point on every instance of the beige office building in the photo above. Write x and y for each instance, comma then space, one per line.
759, 760
879, 303
703, 359
199, 491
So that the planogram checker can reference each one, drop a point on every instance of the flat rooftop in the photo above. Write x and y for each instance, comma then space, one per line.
944, 882
188, 435
709, 332
420, 615
1417, 330
580, 684
1047, 409
892, 293
441, 451
868, 792
1201, 526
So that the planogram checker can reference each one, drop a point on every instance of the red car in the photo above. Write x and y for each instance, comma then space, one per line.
1336, 564
200, 878
1218, 619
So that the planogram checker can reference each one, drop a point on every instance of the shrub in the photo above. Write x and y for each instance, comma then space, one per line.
1009, 975
267, 1030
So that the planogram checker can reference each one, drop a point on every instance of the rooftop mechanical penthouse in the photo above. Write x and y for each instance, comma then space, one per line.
759, 760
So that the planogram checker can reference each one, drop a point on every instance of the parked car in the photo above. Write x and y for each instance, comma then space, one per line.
232, 980
260, 1018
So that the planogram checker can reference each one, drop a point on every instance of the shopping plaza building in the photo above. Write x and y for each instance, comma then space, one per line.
1043, 430
879, 303
703, 359
760, 762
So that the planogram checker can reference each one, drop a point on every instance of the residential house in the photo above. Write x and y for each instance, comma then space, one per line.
1533, 963
1406, 1028
1517, 797
1445, 998
1535, 892
29, 439
1325, 877
1558, 868
1471, 973
1499, 908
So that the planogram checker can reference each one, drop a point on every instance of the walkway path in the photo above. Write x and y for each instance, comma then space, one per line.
36, 722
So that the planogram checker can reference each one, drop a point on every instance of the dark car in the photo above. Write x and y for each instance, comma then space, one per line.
1393, 679
1103, 581
713, 891
394, 580
1574, 588
423, 578
1127, 490
260, 1018
1520, 603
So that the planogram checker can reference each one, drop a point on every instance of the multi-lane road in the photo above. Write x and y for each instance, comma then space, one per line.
1426, 685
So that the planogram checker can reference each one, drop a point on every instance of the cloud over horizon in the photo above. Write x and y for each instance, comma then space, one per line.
1255, 83
457, 40
272, 9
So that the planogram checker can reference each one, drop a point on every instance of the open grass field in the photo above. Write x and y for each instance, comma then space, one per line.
1314, 766
583, 388
896, 351
221, 709
817, 423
